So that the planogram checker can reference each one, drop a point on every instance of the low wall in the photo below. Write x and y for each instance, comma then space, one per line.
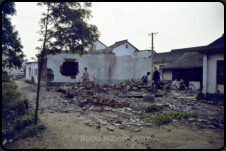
106, 67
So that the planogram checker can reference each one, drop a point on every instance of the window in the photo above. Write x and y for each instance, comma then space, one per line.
29, 71
69, 68
220, 71
126, 46
194, 74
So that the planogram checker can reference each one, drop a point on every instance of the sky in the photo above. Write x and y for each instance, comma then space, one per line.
179, 24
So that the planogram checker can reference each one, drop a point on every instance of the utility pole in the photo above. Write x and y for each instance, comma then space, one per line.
152, 54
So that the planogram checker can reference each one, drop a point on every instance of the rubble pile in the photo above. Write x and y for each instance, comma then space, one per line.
91, 98
131, 85
91, 88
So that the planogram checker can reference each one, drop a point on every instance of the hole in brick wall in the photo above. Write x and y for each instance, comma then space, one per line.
69, 68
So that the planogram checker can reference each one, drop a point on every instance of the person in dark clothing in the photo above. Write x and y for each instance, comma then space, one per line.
155, 80
145, 77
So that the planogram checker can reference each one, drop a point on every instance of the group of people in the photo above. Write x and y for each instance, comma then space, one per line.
155, 78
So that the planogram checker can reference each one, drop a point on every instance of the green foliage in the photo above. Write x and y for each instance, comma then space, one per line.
11, 45
17, 121
153, 108
29, 81
142, 116
162, 119
64, 28
168, 117
5, 76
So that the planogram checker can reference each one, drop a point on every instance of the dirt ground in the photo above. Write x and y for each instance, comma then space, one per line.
67, 131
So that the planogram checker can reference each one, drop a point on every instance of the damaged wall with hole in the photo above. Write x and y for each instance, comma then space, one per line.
107, 68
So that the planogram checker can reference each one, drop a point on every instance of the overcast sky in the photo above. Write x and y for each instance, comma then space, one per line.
179, 25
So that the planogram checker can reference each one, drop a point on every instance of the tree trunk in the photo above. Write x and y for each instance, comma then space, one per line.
40, 69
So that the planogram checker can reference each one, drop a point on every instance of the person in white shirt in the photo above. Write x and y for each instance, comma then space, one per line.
85, 75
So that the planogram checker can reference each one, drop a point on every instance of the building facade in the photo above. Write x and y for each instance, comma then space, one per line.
105, 66
32, 71
213, 69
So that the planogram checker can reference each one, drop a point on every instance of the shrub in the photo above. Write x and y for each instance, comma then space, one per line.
17, 120
5, 76
153, 108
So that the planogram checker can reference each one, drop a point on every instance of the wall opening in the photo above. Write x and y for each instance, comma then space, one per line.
69, 68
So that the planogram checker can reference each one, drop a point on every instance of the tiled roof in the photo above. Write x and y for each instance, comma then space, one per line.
187, 60
190, 49
174, 54
215, 46
118, 43
167, 56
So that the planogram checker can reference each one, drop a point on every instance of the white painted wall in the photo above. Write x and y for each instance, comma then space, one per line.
107, 67
167, 74
196, 84
99, 45
122, 50
128, 67
33, 66
144, 53
210, 72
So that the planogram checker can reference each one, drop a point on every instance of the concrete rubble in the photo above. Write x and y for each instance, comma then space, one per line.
117, 105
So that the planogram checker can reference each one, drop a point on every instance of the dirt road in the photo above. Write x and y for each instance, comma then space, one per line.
67, 131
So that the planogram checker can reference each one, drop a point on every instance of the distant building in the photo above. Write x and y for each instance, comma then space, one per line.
96, 46
31, 71
213, 68
187, 67
121, 48
16, 70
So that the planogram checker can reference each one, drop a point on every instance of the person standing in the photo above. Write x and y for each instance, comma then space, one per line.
85, 75
155, 80
145, 77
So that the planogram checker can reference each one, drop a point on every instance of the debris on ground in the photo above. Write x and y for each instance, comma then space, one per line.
120, 104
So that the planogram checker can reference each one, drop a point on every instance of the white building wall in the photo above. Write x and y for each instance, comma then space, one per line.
205, 74
27, 76
212, 72
33, 66
144, 53
196, 84
99, 46
167, 74
106, 67
122, 50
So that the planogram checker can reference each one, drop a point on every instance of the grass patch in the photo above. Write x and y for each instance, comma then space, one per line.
30, 82
167, 117
153, 108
